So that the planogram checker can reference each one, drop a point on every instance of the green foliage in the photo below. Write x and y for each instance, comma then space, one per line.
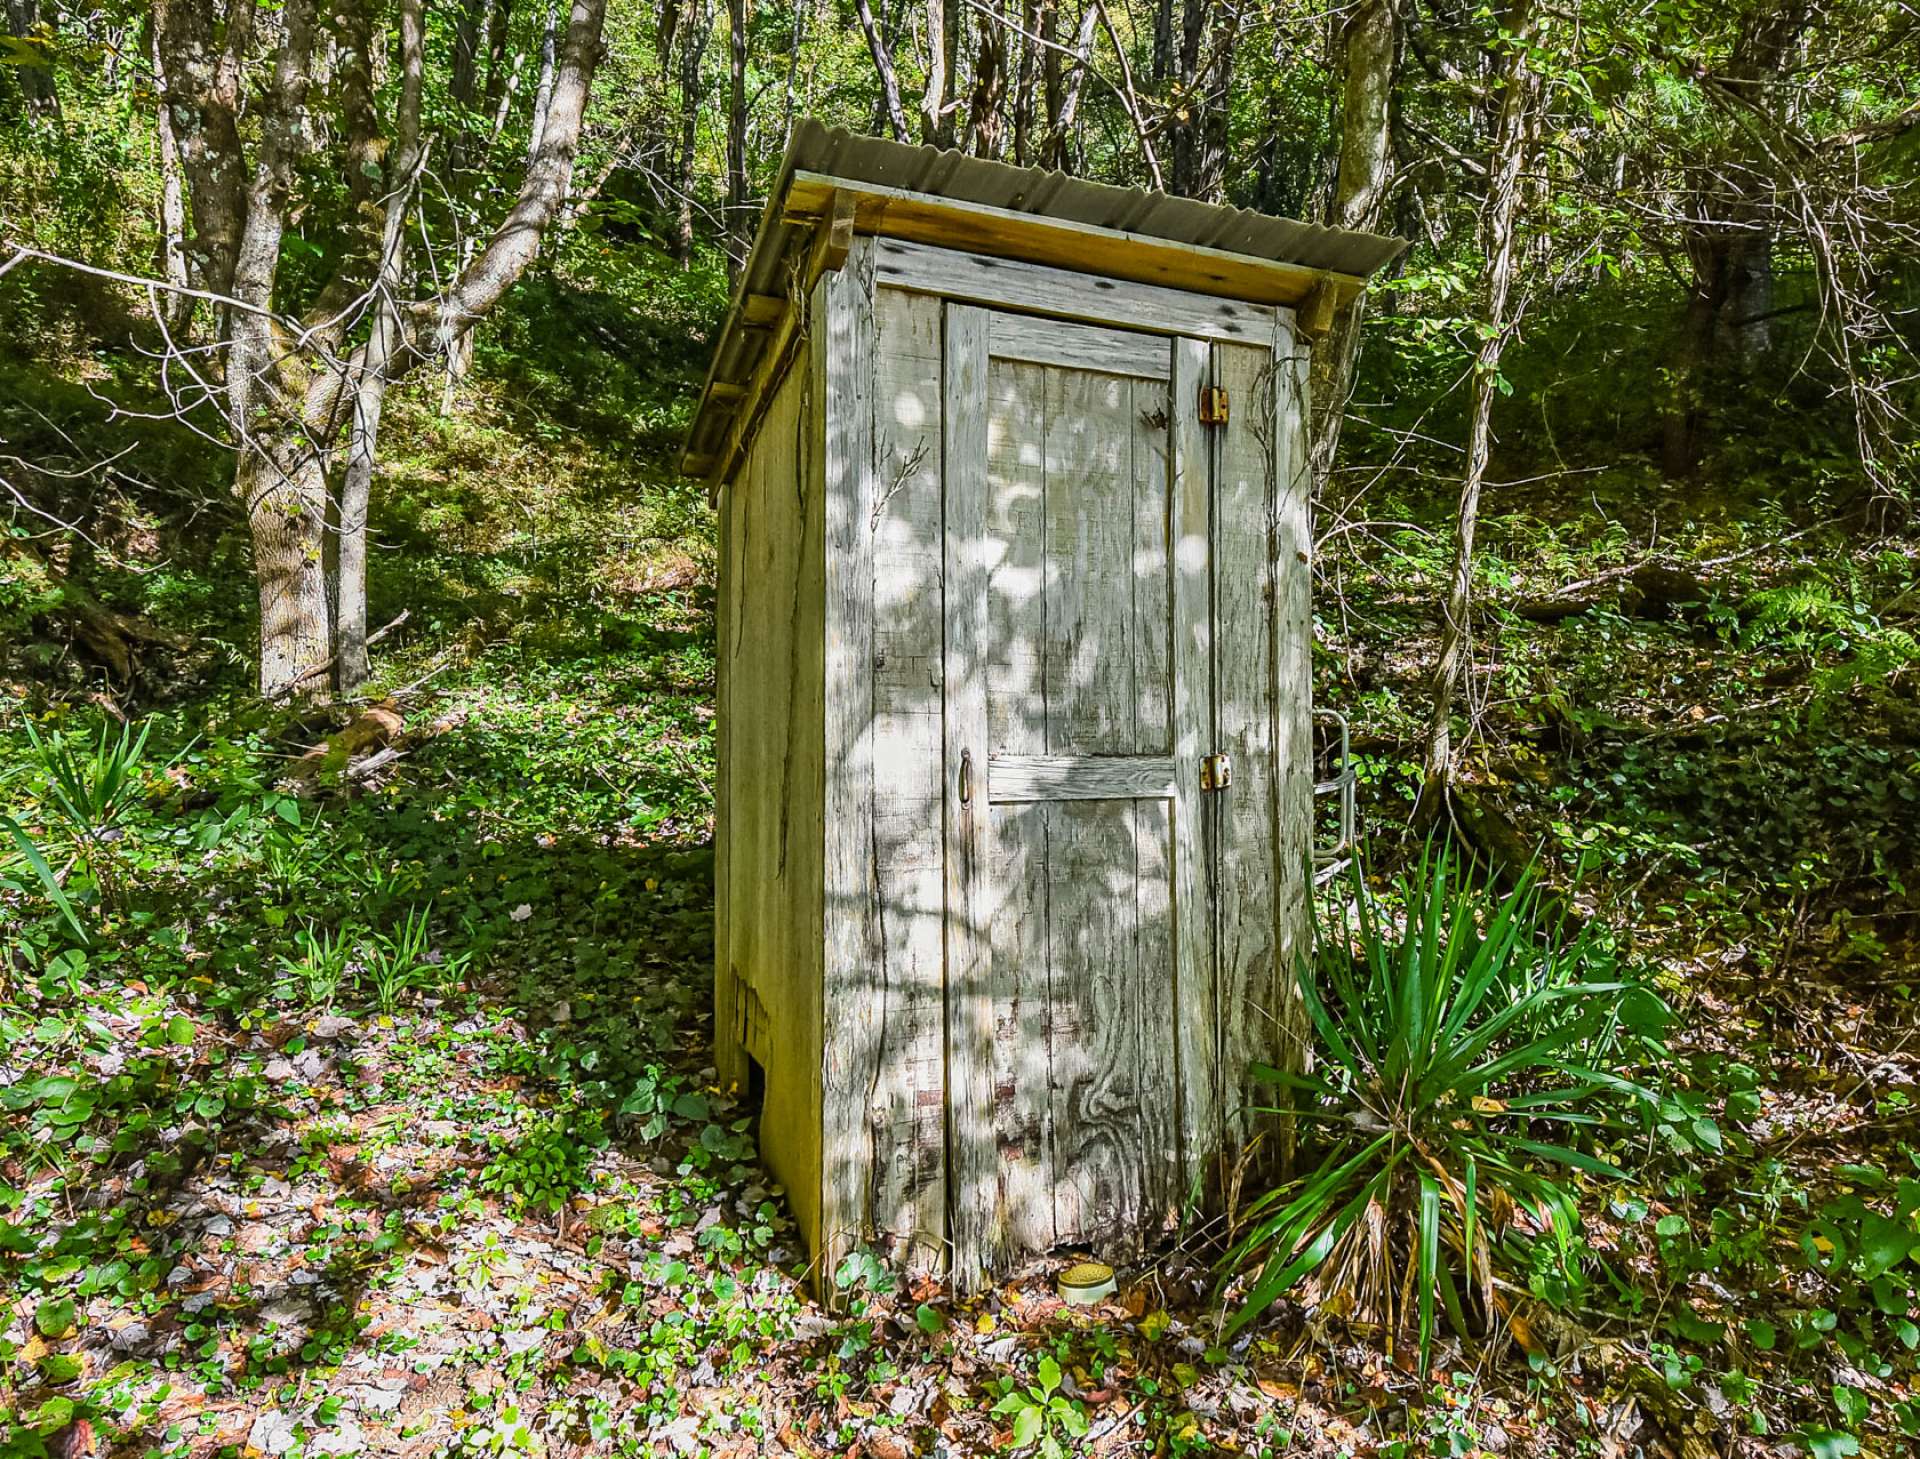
43, 873
89, 784
545, 1165
320, 967
1466, 1061
1044, 1419
403, 960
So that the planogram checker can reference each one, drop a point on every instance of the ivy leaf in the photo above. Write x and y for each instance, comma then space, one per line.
55, 1319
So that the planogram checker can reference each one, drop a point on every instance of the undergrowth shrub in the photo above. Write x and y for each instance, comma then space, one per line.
1472, 1061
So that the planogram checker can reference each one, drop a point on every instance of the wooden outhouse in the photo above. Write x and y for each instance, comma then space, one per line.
1014, 736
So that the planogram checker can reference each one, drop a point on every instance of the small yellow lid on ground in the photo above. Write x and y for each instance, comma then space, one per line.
1086, 1283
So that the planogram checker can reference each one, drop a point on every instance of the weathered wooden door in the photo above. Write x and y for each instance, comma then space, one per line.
1078, 603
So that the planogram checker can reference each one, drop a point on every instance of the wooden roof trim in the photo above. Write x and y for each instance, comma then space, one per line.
1062, 243
747, 401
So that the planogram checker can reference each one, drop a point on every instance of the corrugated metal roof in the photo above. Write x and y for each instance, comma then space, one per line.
953, 177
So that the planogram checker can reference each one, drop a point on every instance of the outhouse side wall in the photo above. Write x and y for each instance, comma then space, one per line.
767, 870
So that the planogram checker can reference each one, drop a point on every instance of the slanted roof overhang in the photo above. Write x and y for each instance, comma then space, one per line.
834, 185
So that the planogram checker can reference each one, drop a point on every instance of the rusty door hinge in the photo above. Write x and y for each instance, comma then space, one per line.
1216, 772
1213, 405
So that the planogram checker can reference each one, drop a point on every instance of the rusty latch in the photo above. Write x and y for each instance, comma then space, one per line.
1213, 405
1216, 772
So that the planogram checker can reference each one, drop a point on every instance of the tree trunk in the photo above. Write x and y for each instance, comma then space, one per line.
1512, 138
463, 82
1360, 185
35, 82
693, 45
1186, 74
282, 484
883, 68
1063, 95
1730, 248
543, 89
739, 220
177, 308
989, 86
376, 363
932, 119
1022, 105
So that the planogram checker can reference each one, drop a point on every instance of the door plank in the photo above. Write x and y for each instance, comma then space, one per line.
1079, 777
1293, 693
1023, 1111
1015, 558
1152, 567
1245, 874
1101, 1065
1077, 346
1197, 1030
1088, 667
972, 1129
1013, 542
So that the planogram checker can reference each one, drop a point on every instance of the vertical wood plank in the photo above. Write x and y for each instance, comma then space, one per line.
1197, 1033
1152, 566
1249, 892
1093, 982
771, 850
1293, 691
1014, 546
729, 1059
1156, 1013
908, 1111
1013, 539
1019, 850
973, 1150
842, 360
1087, 647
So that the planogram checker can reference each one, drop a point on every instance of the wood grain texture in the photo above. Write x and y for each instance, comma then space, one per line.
1196, 1001
1012, 545
973, 1171
1293, 694
1039, 289
908, 1110
1245, 887
768, 843
1087, 347
1087, 629
843, 356
729, 1058
1079, 777
1019, 852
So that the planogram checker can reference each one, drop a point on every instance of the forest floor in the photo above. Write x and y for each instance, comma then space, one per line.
475, 1190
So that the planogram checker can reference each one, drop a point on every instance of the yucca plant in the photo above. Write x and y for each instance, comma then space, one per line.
1469, 1067
24, 847
321, 966
91, 785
